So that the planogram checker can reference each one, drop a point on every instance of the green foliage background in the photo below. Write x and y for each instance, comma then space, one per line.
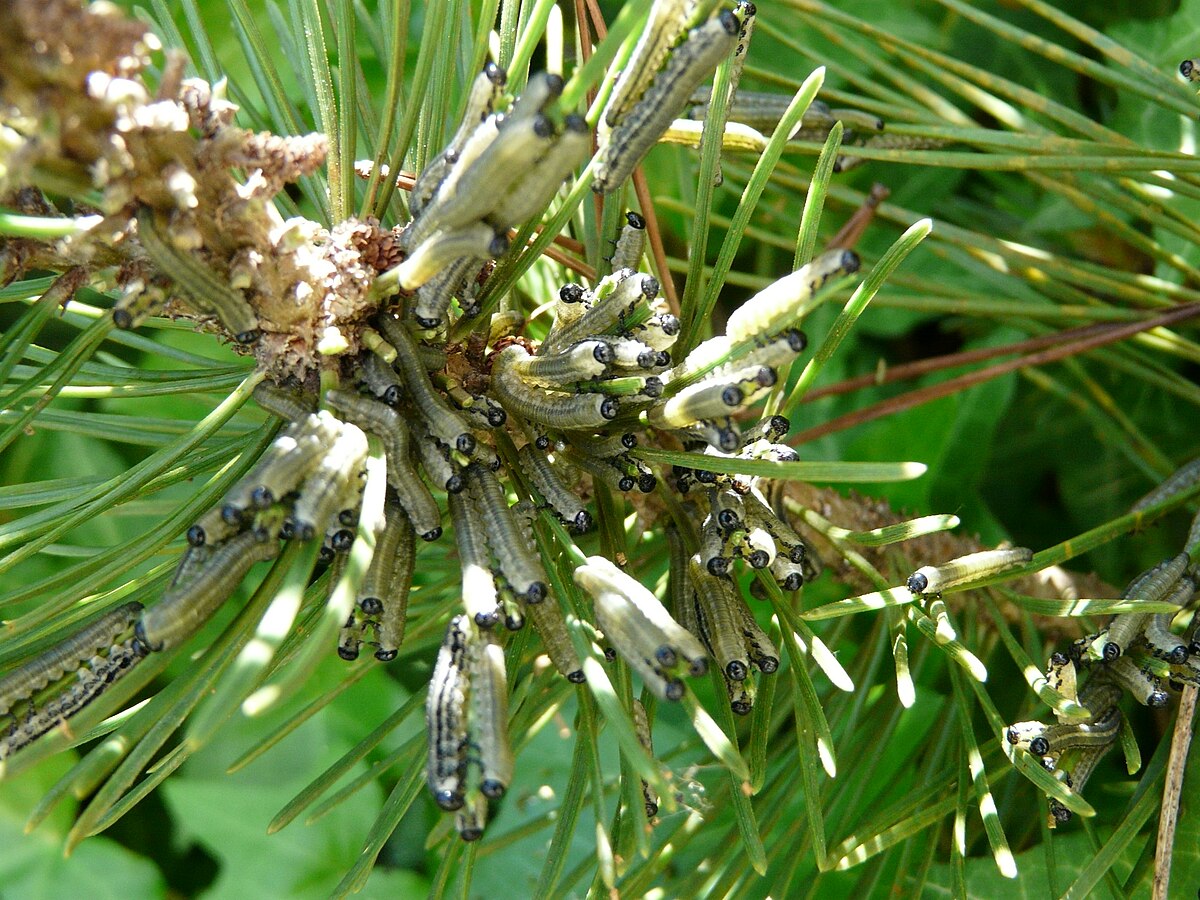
1013, 458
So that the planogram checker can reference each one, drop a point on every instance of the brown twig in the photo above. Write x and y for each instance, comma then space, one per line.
952, 361
1168, 815
1102, 335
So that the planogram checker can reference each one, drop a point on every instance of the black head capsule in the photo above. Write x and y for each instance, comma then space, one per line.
262, 497
653, 387
492, 789
626, 483
717, 565
850, 262
768, 665
348, 517
1039, 746
287, 530
728, 440
1185, 69
348, 653
496, 416
758, 559
465, 443
1058, 658
602, 353
432, 534
122, 319
196, 536
1194, 648
610, 655
449, 800
536, 592
582, 522
488, 620
325, 555
609, 407
665, 656
728, 520
792, 582
542, 442
647, 359
386, 655
454, 485
1061, 814
635, 220
1112, 650
231, 514
576, 677
514, 623
495, 74
669, 324
647, 483
1157, 699
570, 293
674, 690
1178, 656
741, 707
629, 440
664, 358
797, 340
499, 245
371, 606
766, 377
342, 540
916, 583
732, 395
247, 337
736, 670
705, 477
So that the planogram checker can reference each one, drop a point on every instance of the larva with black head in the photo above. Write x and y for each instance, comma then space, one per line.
447, 424
52, 664
934, 579
639, 129
326, 487
1153, 585
390, 427
521, 568
532, 194
549, 408
667, 22
616, 298
95, 677
183, 610
630, 245
565, 503
489, 715
479, 594
393, 614
720, 626
446, 718
482, 182
773, 308
379, 378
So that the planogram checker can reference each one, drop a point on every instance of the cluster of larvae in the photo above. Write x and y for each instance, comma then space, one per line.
549, 418
1136, 654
